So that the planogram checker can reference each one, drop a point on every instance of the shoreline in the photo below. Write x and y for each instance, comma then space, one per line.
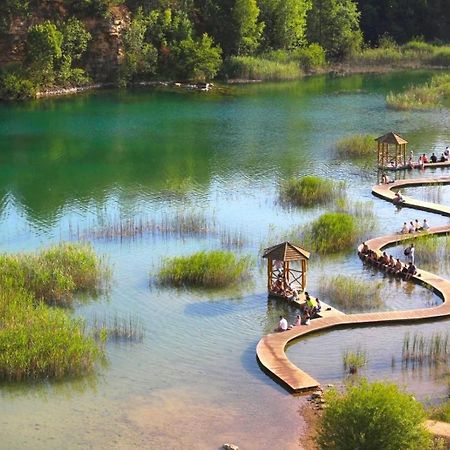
339, 69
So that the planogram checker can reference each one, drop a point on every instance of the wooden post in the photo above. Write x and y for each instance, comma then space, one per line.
287, 273
303, 275
269, 274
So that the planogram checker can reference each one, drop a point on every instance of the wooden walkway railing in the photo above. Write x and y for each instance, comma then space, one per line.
270, 350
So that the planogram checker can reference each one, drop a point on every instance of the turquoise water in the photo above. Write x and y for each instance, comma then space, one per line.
74, 168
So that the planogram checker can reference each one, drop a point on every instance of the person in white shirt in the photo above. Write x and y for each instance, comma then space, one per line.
425, 225
282, 324
446, 153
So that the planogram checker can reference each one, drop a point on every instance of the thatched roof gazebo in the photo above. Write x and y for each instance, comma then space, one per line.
286, 269
391, 151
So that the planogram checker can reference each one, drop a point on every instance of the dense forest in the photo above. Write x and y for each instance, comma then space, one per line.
63, 43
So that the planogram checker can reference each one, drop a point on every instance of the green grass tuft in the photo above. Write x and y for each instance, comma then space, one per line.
204, 269
356, 146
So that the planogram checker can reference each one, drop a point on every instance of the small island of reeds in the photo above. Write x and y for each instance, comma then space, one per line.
357, 146
311, 191
205, 269
38, 341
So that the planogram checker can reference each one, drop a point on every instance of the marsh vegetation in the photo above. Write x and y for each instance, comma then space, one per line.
353, 361
419, 350
357, 146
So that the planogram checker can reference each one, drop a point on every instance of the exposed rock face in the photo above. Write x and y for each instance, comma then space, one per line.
105, 51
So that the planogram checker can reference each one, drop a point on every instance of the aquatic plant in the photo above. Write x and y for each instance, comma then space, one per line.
311, 191
351, 294
353, 361
331, 233
117, 328
372, 416
204, 269
420, 350
55, 274
37, 341
356, 146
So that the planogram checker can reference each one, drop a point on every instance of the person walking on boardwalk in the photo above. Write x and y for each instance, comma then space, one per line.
409, 253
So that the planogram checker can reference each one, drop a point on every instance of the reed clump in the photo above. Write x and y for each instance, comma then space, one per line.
357, 146
117, 328
351, 294
419, 350
37, 341
431, 249
311, 191
354, 361
56, 274
422, 97
205, 269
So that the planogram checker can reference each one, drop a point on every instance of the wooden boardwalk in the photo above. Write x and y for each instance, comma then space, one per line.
270, 350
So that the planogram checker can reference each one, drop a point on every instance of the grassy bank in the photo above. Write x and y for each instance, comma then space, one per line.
426, 96
357, 146
204, 269
311, 191
350, 294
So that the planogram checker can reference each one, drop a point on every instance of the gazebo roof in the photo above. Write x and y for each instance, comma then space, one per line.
286, 252
391, 138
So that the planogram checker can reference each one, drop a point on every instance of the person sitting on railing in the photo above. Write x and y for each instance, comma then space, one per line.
412, 227
417, 226
364, 249
384, 261
282, 324
410, 271
442, 158
306, 318
398, 198
397, 268
405, 229
425, 226
391, 263
297, 322
447, 153
433, 158
425, 159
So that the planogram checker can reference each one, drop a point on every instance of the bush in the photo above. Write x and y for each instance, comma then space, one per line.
373, 416
204, 269
418, 46
353, 361
332, 233
55, 274
440, 57
41, 342
310, 57
351, 294
356, 146
253, 68
311, 191
15, 87
441, 412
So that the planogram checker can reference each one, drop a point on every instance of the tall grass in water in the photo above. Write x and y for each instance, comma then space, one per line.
55, 274
426, 96
356, 146
311, 191
118, 328
37, 341
419, 350
431, 250
353, 361
204, 269
351, 294
254, 68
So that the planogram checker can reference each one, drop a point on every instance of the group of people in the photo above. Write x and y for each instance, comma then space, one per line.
390, 264
414, 227
423, 159
310, 310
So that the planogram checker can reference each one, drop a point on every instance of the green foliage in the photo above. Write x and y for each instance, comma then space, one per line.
204, 269
356, 146
332, 233
14, 86
441, 412
285, 22
351, 294
10, 9
75, 39
248, 29
198, 60
140, 56
334, 24
55, 274
253, 68
310, 57
311, 191
37, 341
372, 416
353, 361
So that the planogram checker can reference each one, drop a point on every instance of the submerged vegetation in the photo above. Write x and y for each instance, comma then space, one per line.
117, 328
356, 146
351, 294
353, 361
204, 269
419, 349
426, 96
373, 415
311, 191
36, 340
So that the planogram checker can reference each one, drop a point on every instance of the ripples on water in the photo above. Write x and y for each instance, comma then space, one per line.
68, 166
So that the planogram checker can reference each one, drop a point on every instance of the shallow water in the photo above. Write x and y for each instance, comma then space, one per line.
72, 165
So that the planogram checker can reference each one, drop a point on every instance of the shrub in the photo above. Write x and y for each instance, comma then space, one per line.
353, 361
441, 412
356, 146
310, 57
55, 274
351, 294
311, 191
252, 68
332, 233
14, 87
418, 46
373, 416
37, 341
204, 269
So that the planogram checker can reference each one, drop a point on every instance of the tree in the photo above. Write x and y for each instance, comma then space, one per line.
248, 29
198, 60
285, 22
75, 39
375, 416
334, 24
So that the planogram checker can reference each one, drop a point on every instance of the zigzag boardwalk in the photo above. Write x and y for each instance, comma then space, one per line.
270, 350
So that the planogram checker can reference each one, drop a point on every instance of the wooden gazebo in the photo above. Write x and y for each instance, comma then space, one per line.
286, 269
391, 151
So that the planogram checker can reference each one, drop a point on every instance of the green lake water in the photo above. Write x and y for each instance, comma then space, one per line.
74, 168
